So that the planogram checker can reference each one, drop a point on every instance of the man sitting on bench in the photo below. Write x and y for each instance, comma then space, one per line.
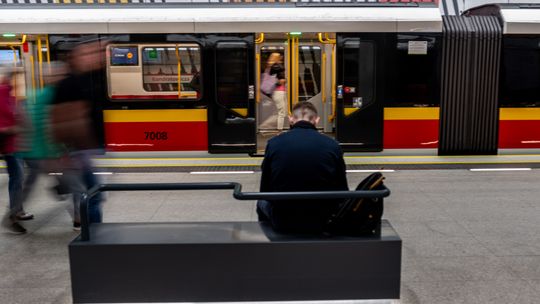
301, 160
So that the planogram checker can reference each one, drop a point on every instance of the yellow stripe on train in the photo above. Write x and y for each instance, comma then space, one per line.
427, 113
519, 114
177, 115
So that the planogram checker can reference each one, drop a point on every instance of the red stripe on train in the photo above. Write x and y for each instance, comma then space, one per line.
156, 136
519, 134
407, 134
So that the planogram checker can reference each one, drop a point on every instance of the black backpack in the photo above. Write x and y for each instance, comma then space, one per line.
359, 216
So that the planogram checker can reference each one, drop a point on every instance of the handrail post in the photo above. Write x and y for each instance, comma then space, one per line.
85, 223
179, 67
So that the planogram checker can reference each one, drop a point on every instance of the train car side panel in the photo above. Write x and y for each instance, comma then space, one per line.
519, 128
411, 128
156, 130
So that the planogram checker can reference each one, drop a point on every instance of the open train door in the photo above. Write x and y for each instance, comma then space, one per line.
231, 110
359, 96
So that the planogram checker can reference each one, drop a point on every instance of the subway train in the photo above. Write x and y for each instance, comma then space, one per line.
187, 77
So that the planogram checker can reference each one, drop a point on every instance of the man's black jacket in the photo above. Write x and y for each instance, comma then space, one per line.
302, 160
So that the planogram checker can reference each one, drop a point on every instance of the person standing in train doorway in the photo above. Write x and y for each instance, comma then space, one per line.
77, 123
279, 95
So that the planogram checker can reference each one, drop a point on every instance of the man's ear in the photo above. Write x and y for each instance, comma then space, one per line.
292, 121
316, 121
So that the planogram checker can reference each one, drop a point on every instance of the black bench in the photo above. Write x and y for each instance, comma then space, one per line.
229, 261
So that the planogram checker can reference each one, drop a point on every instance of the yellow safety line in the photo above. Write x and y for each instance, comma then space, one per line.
175, 165
179, 158
435, 156
346, 157
445, 163
350, 164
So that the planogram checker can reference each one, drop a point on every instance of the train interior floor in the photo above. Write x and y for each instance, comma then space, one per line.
468, 236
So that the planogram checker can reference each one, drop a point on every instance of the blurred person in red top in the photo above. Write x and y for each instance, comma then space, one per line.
9, 128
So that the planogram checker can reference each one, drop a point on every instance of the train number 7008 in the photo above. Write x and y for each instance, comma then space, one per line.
155, 135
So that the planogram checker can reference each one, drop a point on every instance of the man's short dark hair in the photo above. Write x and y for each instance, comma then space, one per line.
304, 110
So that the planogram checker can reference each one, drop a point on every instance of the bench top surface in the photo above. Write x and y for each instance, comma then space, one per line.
210, 233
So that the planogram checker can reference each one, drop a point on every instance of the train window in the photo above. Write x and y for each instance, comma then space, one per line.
160, 69
8, 57
232, 74
415, 81
520, 72
150, 72
309, 72
358, 72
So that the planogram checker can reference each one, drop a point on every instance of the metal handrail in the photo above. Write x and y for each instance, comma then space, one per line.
237, 194
179, 73
258, 76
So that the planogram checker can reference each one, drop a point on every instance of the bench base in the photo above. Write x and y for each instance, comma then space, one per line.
229, 262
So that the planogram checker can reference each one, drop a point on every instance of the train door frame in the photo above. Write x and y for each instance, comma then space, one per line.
232, 126
260, 96
359, 126
325, 124
325, 107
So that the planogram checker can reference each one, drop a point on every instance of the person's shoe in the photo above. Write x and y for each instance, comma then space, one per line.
76, 226
17, 228
24, 216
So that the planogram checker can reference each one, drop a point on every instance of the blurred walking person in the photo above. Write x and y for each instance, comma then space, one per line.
42, 154
77, 122
9, 130
275, 68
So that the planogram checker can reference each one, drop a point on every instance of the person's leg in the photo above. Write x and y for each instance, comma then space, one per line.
71, 179
280, 98
90, 180
34, 167
16, 175
71, 182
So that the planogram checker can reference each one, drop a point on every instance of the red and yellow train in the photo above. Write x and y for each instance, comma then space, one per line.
181, 78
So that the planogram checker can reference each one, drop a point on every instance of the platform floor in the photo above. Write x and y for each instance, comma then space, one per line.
469, 237
390, 159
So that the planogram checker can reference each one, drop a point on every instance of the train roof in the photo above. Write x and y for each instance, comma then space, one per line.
521, 18
222, 19
516, 18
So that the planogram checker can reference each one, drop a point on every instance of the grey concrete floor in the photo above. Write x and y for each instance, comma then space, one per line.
469, 237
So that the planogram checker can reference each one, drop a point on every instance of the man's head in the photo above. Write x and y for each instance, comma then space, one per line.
274, 58
304, 111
